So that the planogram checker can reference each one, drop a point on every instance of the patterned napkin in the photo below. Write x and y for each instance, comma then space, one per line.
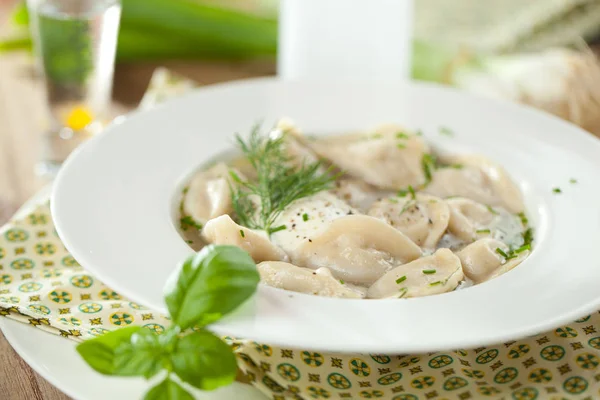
41, 284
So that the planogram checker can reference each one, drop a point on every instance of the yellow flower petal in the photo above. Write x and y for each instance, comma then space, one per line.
79, 118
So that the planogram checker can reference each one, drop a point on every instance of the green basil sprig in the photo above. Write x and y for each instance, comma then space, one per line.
207, 286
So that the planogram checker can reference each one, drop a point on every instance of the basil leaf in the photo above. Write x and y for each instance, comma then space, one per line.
145, 355
210, 284
168, 390
99, 352
204, 361
131, 351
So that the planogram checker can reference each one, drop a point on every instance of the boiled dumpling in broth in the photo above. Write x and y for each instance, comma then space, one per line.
358, 249
388, 157
323, 231
293, 143
304, 280
223, 230
357, 193
478, 179
307, 217
482, 261
423, 219
438, 273
467, 217
470, 220
364, 215
209, 194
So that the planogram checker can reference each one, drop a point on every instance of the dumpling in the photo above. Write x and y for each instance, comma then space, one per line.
478, 179
470, 221
319, 282
294, 143
209, 195
438, 273
222, 230
467, 217
508, 265
356, 248
481, 261
423, 219
387, 158
357, 193
323, 231
307, 217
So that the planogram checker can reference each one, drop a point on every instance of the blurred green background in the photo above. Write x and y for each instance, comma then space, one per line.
445, 31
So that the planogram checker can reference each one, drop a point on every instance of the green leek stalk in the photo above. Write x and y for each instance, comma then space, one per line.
180, 29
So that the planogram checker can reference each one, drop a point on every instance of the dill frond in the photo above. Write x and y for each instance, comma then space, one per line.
259, 204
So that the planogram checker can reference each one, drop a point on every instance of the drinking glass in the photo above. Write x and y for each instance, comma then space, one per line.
75, 44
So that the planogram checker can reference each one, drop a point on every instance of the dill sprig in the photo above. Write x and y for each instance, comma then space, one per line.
278, 184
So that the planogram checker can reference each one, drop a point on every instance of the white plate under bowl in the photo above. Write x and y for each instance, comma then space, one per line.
114, 204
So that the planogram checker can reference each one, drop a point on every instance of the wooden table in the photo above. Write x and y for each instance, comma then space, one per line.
21, 119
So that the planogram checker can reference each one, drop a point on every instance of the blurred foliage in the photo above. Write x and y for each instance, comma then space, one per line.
181, 29
192, 29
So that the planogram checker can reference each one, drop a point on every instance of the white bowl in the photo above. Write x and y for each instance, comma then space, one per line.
114, 204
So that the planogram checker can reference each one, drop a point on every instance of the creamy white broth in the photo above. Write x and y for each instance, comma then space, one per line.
361, 252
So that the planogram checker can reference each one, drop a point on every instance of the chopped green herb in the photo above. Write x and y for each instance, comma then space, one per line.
457, 166
188, 222
393, 200
401, 279
401, 135
503, 254
523, 248
523, 218
402, 193
401, 145
573, 180
419, 133
376, 136
305, 217
412, 192
189, 241
403, 292
342, 281
482, 231
435, 283
242, 234
490, 209
557, 190
185, 190
444, 130
428, 163
528, 236
279, 228
429, 271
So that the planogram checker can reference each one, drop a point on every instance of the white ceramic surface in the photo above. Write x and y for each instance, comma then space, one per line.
56, 360
339, 38
114, 207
